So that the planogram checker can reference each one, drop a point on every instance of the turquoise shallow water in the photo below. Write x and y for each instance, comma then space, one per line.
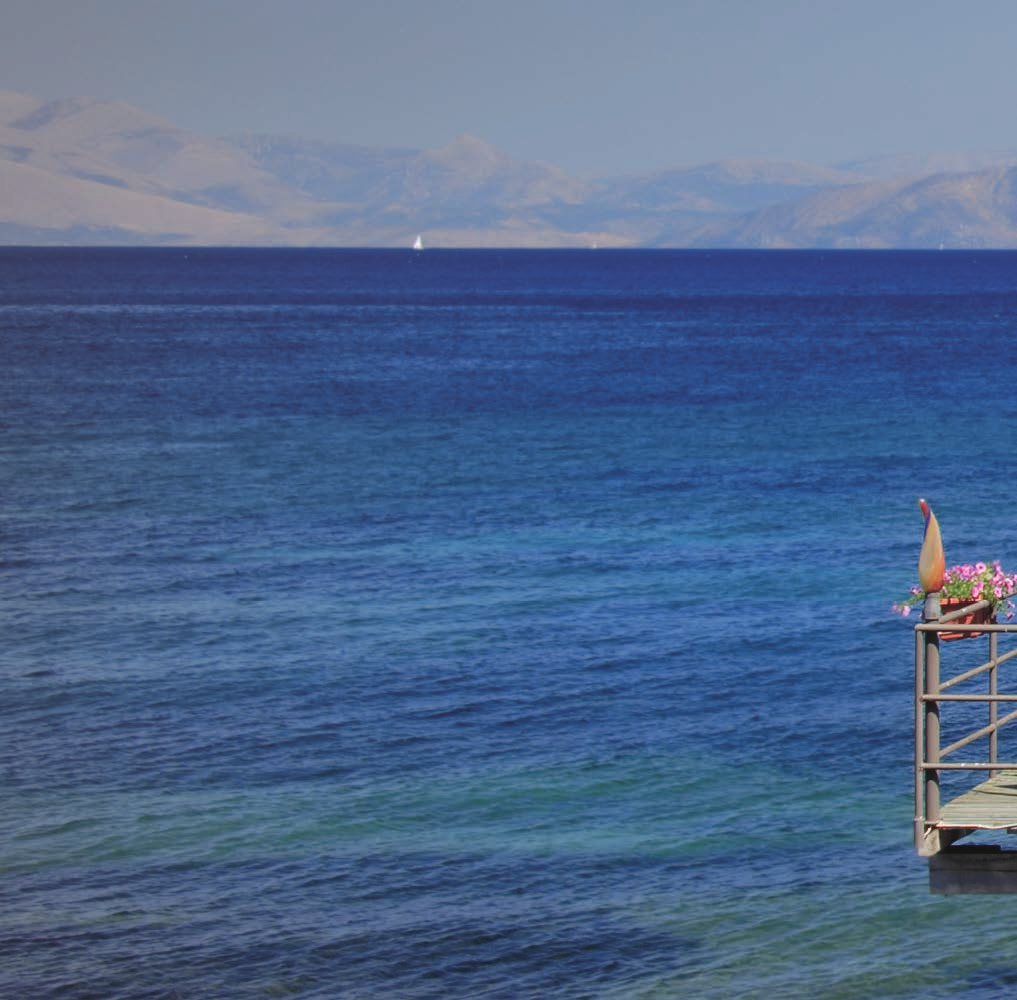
483, 624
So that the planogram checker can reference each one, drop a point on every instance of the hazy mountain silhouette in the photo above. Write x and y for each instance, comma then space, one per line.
82, 171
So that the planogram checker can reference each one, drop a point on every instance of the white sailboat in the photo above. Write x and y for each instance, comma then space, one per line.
418, 243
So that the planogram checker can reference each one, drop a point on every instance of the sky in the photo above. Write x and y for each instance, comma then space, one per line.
596, 87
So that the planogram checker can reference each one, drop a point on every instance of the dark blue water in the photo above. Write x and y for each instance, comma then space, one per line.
483, 624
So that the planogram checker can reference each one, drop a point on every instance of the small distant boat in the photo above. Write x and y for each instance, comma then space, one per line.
418, 243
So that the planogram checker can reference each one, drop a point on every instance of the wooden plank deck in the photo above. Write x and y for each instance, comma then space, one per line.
992, 805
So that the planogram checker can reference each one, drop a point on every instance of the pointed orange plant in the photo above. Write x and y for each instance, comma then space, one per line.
931, 560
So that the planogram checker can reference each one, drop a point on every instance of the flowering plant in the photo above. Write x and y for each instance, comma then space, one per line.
970, 583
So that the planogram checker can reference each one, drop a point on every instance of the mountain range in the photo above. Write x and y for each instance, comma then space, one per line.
79, 171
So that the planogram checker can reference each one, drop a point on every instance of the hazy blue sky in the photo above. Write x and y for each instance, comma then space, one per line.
595, 86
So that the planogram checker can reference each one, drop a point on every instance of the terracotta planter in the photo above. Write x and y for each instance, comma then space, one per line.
983, 616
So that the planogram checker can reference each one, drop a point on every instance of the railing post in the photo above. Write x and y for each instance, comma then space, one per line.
919, 741
993, 706
927, 735
931, 726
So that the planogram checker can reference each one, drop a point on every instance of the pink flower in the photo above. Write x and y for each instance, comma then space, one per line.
970, 582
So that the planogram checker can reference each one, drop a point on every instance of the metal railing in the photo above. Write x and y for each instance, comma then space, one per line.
932, 695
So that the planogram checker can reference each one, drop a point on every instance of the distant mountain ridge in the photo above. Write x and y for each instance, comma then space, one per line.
81, 171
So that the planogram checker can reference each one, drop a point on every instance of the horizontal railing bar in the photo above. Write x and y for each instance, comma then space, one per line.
945, 626
979, 766
969, 697
992, 727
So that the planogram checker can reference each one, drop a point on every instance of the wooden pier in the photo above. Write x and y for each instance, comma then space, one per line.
973, 706
990, 805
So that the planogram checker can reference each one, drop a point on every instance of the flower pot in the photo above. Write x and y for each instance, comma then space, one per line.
983, 616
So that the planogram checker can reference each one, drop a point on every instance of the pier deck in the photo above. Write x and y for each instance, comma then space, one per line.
991, 805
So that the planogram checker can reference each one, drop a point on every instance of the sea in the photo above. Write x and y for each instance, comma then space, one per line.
485, 624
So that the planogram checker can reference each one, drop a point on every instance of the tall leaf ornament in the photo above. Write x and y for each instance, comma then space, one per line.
931, 560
